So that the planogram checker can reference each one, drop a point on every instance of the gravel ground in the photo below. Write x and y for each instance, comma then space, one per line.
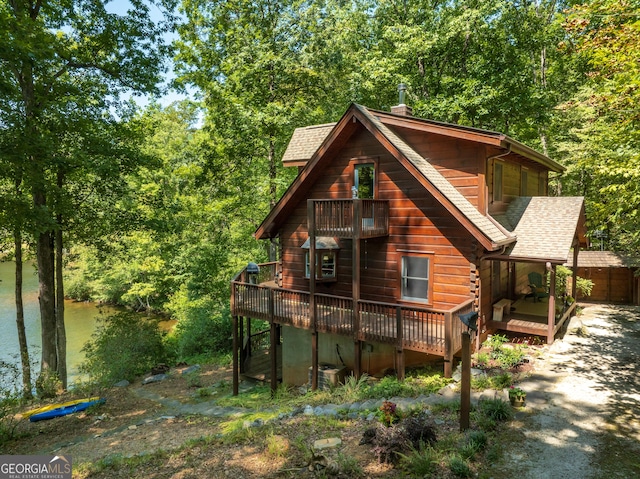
582, 415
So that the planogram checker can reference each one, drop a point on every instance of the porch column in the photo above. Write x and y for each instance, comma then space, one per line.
552, 305
236, 372
574, 277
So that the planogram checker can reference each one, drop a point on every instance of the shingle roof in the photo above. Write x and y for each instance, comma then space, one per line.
545, 227
604, 259
304, 143
457, 199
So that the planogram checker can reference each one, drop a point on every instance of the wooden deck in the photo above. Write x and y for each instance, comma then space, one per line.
410, 328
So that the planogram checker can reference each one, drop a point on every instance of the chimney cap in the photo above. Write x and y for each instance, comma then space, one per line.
402, 93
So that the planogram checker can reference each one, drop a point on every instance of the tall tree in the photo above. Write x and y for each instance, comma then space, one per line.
602, 121
255, 65
63, 66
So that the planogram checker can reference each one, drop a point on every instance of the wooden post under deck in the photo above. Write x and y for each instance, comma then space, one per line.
448, 347
574, 277
273, 340
355, 286
236, 372
552, 306
311, 219
400, 372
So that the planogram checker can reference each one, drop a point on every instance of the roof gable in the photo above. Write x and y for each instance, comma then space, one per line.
483, 228
545, 227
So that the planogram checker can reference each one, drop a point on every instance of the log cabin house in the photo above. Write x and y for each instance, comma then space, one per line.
394, 227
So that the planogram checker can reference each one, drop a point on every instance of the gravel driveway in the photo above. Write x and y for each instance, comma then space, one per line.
582, 416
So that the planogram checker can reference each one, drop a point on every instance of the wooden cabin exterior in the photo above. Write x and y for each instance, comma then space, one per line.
411, 223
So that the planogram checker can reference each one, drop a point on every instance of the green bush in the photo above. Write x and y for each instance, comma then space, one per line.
203, 327
420, 462
124, 346
496, 409
459, 466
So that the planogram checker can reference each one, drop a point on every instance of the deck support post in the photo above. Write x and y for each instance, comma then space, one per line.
574, 268
314, 360
355, 286
465, 382
273, 346
400, 372
552, 305
311, 225
236, 372
448, 345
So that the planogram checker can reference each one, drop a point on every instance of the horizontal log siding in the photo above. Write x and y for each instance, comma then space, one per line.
459, 161
417, 223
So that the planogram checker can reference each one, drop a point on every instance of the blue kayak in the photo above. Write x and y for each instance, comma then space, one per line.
64, 410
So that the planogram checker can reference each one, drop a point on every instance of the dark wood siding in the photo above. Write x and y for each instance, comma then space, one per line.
417, 223
459, 161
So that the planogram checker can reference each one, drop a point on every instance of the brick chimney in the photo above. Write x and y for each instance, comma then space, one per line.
402, 108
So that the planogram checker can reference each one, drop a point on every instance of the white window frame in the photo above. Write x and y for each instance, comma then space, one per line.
327, 271
426, 279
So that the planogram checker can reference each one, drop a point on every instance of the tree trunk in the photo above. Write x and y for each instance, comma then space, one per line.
46, 298
61, 334
22, 335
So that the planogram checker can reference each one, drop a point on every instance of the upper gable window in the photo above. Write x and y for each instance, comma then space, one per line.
364, 179
497, 181
524, 182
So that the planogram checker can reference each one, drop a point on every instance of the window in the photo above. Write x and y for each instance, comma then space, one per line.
326, 262
497, 181
364, 180
326, 258
416, 278
524, 181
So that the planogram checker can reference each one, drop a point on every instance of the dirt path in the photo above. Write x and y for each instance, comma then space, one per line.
582, 418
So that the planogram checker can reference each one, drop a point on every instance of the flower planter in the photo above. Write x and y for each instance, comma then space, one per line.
517, 402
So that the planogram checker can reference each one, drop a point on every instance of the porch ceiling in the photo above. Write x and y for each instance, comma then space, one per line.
545, 228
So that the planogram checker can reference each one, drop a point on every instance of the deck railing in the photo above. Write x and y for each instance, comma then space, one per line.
336, 218
417, 329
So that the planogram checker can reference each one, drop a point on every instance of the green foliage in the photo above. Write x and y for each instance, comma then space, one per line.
202, 329
458, 466
496, 409
123, 346
48, 384
420, 462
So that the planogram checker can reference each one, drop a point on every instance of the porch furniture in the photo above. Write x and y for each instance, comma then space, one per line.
499, 309
538, 290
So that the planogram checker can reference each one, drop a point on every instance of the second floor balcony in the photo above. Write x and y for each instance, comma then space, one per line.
348, 218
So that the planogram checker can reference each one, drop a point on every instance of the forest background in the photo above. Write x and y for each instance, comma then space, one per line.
154, 208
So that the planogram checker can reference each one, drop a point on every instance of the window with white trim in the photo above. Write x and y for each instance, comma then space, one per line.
326, 269
415, 278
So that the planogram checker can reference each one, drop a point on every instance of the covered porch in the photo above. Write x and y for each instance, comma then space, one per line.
526, 296
525, 316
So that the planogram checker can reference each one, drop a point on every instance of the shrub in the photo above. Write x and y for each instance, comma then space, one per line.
420, 462
124, 346
201, 330
496, 409
459, 466
420, 430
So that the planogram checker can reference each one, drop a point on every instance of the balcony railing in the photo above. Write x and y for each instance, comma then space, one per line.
426, 330
349, 218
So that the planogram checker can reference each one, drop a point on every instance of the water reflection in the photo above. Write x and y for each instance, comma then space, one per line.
80, 320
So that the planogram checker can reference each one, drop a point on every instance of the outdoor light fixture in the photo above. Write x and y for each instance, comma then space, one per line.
469, 320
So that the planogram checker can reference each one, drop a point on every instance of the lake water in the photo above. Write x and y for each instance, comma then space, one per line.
80, 322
